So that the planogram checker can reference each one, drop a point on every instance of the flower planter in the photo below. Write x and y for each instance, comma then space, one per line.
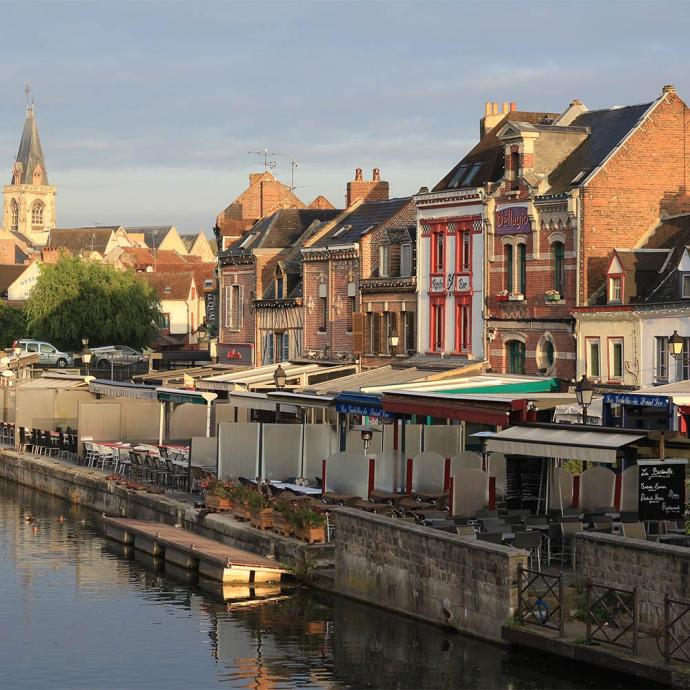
553, 298
282, 525
217, 502
312, 535
262, 519
502, 298
516, 298
241, 512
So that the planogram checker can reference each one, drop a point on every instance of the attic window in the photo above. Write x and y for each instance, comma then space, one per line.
247, 240
471, 173
455, 181
685, 285
167, 289
208, 283
340, 231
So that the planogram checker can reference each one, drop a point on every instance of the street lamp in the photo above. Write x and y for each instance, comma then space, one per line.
393, 341
583, 394
675, 345
17, 350
86, 355
279, 377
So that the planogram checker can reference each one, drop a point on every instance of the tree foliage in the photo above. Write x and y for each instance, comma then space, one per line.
73, 299
12, 325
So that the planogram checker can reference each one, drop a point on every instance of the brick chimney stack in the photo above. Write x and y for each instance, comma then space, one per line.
493, 115
359, 188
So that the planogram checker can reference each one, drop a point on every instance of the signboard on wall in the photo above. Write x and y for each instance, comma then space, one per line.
512, 220
242, 353
662, 489
462, 283
211, 303
437, 284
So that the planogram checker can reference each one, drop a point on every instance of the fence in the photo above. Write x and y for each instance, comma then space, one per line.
613, 615
540, 599
676, 630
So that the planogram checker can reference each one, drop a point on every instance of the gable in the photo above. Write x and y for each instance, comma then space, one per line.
615, 267
684, 263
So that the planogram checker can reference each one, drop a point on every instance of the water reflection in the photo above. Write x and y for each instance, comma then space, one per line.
87, 612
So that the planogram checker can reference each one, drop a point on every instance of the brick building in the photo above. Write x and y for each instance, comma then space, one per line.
261, 288
359, 279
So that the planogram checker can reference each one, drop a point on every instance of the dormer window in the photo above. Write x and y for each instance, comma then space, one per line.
515, 169
685, 285
279, 283
615, 289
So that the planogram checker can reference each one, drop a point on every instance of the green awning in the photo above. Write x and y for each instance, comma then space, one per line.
541, 386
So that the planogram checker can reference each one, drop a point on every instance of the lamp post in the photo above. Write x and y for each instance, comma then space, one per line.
367, 434
279, 378
675, 345
86, 355
393, 341
583, 394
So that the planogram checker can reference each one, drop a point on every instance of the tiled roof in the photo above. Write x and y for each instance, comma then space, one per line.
484, 163
362, 219
607, 129
169, 285
153, 234
78, 240
8, 274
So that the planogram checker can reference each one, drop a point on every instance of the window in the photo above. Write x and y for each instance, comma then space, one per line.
547, 356
47, 349
516, 357
463, 320
33, 347
615, 358
683, 371
508, 267
410, 337
661, 359
324, 314
374, 333
282, 347
558, 251
438, 326
37, 214
14, 215
406, 260
387, 325
515, 169
615, 291
437, 258
685, 285
522, 269
234, 307
166, 322
383, 260
593, 366
269, 349
466, 250
280, 284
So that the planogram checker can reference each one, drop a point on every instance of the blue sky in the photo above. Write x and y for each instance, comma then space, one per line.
147, 109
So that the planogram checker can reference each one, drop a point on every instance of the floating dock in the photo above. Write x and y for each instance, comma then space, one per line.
190, 551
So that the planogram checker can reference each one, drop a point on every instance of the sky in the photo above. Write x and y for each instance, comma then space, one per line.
147, 110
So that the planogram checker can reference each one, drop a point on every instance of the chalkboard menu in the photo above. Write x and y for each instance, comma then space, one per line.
662, 489
525, 482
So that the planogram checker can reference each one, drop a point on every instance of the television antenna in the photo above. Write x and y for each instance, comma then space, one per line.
265, 154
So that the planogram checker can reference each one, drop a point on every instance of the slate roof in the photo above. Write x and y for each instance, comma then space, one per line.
153, 234
641, 268
361, 220
607, 129
30, 153
78, 240
188, 241
170, 285
484, 163
8, 274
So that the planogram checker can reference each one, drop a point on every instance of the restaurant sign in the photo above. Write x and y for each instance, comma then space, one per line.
462, 283
631, 399
437, 284
362, 410
661, 489
512, 220
211, 303
236, 354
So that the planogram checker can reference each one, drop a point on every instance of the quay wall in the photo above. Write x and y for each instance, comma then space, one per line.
654, 569
89, 488
431, 575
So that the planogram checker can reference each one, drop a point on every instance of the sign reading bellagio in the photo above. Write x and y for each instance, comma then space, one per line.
512, 220
662, 489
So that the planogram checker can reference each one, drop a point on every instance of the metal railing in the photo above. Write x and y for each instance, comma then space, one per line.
612, 615
676, 630
540, 599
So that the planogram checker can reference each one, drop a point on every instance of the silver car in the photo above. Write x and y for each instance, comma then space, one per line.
118, 355
48, 355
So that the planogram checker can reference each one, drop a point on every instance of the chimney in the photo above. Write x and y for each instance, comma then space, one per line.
513, 106
493, 115
668, 88
374, 190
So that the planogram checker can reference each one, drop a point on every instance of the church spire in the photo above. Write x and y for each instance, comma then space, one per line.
30, 166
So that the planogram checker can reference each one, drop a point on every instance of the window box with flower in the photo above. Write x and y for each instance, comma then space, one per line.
502, 295
552, 296
516, 297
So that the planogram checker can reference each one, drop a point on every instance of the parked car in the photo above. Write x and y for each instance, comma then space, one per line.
48, 355
119, 355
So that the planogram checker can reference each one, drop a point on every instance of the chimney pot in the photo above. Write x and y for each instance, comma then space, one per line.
505, 107
513, 106
358, 174
575, 101
376, 175
487, 108
494, 108
668, 88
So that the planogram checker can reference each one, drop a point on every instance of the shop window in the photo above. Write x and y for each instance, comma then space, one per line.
516, 356
616, 359
558, 251
593, 358
508, 267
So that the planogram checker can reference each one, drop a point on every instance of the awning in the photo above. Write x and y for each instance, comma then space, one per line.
350, 402
113, 389
258, 401
177, 395
568, 444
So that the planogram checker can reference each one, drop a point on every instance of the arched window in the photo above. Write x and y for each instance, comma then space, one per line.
558, 255
280, 283
522, 269
546, 355
516, 357
515, 169
37, 214
14, 215
508, 267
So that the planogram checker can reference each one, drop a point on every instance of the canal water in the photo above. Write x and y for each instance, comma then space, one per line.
77, 611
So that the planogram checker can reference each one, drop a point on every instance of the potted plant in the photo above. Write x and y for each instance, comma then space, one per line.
217, 495
240, 509
515, 297
309, 525
502, 295
282, 510
552, 295
260, 510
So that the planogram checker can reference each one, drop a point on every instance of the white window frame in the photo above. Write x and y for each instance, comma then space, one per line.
685, 294
661, 368
616, 289
232, 307
384, 260
612, 348
588, 346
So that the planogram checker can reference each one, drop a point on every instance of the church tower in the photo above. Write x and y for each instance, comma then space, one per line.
29, 201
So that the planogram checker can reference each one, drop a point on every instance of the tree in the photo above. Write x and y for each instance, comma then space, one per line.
73, 299
12, 325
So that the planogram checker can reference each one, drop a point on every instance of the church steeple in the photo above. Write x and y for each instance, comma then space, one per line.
30, 163
29, 200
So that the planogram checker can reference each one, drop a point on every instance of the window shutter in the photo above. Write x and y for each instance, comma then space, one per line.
383, 333
240, 306
358, 333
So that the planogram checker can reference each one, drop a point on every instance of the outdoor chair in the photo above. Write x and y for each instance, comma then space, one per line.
531, 542
564, 533
24, 440
634, 530
466, 531
491, 537
672, 527
603, 524
90, 453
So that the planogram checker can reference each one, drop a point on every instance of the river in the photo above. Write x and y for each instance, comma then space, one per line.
77, 611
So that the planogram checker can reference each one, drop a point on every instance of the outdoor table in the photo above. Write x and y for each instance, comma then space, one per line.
412, 504
339, 498
675, 539
297, 488
372, 507
386, 496
432, 514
